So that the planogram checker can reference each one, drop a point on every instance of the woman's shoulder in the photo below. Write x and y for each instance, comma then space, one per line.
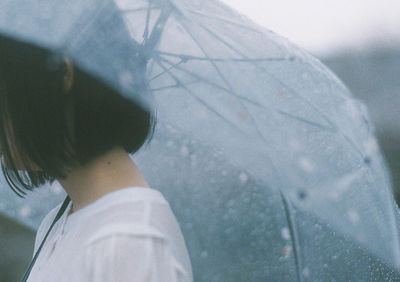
135, 212
135, 217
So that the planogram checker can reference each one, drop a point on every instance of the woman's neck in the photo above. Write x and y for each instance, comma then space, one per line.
110, 172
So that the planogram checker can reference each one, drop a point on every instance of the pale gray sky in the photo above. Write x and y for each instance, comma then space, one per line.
325, 26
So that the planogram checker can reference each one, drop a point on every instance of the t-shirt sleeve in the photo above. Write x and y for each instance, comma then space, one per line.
123, 258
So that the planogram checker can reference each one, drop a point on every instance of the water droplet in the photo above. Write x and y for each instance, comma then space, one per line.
306, 272
334, 195
285, 233
261, 215
361, 237
25, 211
125, 79
286, 250
204, 254
353, 216
230, 203
302, 194
185, 151
353, 111
306, 165
56, 188
228, 231
242, 115
371, 146
367, 160
199, 113
295, 145
243, 177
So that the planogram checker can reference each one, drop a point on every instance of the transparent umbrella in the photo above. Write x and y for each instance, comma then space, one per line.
269, 163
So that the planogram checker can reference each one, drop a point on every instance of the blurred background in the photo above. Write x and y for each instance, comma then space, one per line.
359, 40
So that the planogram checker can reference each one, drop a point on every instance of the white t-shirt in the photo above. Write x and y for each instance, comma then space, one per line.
127, 235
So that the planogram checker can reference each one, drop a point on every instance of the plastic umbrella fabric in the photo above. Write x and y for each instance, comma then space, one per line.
269, 163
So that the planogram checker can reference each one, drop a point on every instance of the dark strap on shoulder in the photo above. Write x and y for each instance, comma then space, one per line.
60, 212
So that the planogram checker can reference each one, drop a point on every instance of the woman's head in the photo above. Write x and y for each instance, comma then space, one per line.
54, 117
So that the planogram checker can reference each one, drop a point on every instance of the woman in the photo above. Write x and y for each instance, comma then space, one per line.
58, 123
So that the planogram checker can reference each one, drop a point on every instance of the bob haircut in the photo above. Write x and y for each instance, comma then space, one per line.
33, 118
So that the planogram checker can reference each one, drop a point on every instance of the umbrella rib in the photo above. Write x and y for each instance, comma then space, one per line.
174, 86
151, 6
236, 95
279, 111
226, 81
225, 20
156, 33
293, 235
209, 59
194, 58
263, 69
146, 29
333, 127
163, 72
222, 77
240, 98
306, 121
199, 99
347, 138
176, 66
213, 34
80, 29
211, 109
126, 11
289, 58
210, 83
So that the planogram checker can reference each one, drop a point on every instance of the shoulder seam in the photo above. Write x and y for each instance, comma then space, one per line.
125, 230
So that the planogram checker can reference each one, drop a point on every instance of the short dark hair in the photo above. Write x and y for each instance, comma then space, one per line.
33, 111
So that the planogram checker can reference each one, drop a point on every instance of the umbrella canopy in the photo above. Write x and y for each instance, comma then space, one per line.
269, 163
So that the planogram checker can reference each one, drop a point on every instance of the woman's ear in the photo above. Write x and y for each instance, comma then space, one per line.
68, 77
